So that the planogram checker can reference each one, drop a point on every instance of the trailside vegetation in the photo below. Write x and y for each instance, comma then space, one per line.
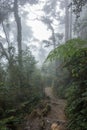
16, 101
73, 55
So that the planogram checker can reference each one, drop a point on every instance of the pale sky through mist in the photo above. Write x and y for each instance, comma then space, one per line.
39, 29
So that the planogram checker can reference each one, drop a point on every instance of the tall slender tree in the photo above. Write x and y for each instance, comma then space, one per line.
66, 20
19, 32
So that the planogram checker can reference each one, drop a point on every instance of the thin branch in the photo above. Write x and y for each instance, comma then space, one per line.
4, 52
6, 35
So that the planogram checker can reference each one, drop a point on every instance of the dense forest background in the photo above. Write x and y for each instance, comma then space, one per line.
22, 78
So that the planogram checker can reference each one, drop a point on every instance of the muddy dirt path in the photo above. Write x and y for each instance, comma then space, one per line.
57, 106
38, 121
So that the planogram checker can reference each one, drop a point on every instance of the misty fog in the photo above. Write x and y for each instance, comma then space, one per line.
43, 64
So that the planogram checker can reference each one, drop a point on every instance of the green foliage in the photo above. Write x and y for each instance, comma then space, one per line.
74, 57
62, 55
77, 94
16, 100
4, 121
65, 51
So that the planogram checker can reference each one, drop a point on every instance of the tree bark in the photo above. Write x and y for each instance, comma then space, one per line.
19, 32
19, 41
70, 23
53, 35
54, 45
66, 21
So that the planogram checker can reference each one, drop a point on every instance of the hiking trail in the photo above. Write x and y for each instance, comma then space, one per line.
41, 119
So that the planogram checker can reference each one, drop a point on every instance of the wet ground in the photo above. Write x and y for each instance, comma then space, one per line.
40, 121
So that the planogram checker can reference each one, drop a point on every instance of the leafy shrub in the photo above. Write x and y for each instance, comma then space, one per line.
77, 94
74, 57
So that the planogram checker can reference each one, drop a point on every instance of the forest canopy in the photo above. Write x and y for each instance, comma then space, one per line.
43, 44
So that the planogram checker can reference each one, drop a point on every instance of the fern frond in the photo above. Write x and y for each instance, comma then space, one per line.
65, 51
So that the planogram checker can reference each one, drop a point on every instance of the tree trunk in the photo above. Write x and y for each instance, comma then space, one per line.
66, 21
54, 46
70, 23
19, 32
19, 40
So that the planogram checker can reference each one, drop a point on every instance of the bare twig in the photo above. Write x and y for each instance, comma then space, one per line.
6, 35
4, 52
